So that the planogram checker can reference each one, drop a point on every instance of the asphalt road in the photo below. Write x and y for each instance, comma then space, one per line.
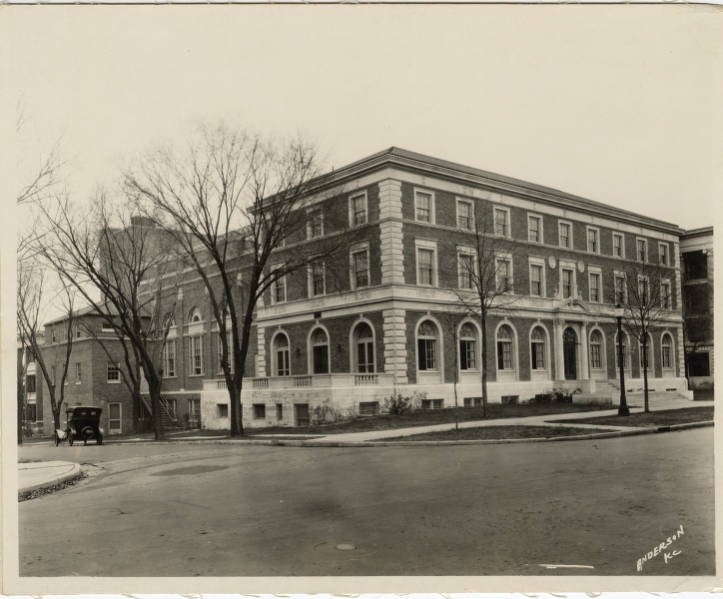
214, 510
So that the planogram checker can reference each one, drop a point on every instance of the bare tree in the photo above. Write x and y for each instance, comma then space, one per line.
648, 296
230, 201
118, 266
29, 309
484, 267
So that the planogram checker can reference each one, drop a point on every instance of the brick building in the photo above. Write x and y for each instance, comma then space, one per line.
696, 247
383, 314
95, 371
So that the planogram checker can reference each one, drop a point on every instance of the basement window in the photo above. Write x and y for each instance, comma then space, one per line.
259, 411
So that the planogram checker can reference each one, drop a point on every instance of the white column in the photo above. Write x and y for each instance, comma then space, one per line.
584, 363
260, 351
559, 354
395, 345
390, 231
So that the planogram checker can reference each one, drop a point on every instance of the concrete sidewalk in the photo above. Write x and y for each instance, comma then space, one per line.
40, 475
543, 420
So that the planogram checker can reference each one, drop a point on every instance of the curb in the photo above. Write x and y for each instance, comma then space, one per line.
382, 443
58, 480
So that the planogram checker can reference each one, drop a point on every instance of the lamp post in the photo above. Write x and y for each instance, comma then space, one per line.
623, 410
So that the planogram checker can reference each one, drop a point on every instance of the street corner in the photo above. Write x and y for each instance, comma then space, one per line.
35, 478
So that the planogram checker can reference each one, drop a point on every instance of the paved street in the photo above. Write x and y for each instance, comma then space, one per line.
235, 510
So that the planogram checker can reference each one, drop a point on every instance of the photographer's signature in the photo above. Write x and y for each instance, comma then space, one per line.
663, 549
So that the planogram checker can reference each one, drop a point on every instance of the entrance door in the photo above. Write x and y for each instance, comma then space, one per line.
569, 348
301, 413
114, 418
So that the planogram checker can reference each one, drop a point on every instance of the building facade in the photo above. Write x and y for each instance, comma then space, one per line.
393, 310
696, 248
387, 314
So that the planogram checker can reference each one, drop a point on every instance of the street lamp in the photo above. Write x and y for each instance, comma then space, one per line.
623, 410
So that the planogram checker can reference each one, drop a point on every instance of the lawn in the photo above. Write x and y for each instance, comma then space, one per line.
499, 432
426, 417
658, 418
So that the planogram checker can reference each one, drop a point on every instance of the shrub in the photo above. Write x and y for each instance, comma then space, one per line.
398, 404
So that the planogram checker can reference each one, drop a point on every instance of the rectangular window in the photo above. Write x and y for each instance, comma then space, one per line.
565, 231
30, 383
113, 372
568, 282
106, 327
665, 297
314, 223
665, 357
536, 278
593, 240
317, 279
643, 291
538, 355
78, 373
431, 404
534, 228
259, 411
425, 266
278, 285
360, 268
196, 355
618, 245
642, 250
194, 411
504, 355
595, 356
368, 408
663, 252
423, 206
358, 209
279, 412
595, 294
221, 410
502, 222
169, 358
465, 270
503, 272
52, 374
465, 215
427, 350
467, 357
620, 291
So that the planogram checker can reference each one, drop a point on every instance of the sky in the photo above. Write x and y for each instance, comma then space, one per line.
614, 103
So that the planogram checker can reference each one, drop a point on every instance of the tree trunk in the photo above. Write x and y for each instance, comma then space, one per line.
56, 417
483, 359
645, 375
154, 391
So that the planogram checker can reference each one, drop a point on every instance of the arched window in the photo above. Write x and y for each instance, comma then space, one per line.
319, 342
363, 348
596, 350
626, 352
280, 355
505, 348
427, 346
666, 351
468, 347
538, 353
646, 358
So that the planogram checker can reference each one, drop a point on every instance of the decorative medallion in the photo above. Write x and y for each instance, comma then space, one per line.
581, 266
551, 261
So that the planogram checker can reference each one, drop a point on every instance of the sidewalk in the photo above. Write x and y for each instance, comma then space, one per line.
39, 475
543, 420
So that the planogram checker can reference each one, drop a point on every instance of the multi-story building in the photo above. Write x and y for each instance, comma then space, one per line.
696, 247
391, 309
95, 369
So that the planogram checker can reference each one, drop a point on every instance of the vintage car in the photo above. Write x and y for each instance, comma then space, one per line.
83, 422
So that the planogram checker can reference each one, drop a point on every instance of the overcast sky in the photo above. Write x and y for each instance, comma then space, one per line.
611, 103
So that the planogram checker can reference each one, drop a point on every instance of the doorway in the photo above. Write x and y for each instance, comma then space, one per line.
569, 349
301, 413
